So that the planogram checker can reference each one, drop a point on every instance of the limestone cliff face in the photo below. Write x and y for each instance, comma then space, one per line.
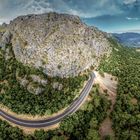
60, 44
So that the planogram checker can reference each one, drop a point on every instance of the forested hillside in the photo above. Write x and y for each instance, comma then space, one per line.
84, 124
16, 80
125, 64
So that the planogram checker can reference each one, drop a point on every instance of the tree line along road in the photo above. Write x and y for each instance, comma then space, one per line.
73, 107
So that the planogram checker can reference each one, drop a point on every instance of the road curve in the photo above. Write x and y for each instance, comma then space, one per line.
74, 106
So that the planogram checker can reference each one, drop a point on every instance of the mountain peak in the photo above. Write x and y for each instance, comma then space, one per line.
60, 44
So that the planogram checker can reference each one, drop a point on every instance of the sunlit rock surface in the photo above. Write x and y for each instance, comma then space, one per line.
60, 44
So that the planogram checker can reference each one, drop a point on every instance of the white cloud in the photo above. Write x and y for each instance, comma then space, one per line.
38, 7
129, 1
95, 8
10, 9
131, 18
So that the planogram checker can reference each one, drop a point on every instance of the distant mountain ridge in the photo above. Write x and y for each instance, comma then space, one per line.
128, 39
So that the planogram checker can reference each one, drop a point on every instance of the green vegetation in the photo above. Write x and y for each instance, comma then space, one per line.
59, 66
83, 125
125, 64
9, 132
18, 99
2, 29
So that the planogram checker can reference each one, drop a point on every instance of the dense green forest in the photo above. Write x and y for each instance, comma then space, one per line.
83, 125
20, 100
125, 64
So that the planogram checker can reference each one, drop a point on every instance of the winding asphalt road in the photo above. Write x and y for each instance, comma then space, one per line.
74, 106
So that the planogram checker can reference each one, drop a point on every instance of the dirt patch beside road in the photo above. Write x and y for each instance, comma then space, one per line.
138, 50
107, 86
106, 128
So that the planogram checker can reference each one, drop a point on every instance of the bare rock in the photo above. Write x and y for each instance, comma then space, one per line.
57, 85
60, 44
39, 80
34, 89
23, 81
5, 38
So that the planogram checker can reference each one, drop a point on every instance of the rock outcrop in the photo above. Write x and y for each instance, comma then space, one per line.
60, 44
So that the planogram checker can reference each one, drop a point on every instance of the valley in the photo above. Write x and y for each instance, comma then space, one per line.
76, 83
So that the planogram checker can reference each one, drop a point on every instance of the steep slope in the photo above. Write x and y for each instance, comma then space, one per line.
60, 44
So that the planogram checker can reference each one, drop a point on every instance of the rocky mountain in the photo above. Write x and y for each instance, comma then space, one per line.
60, 44
128, 39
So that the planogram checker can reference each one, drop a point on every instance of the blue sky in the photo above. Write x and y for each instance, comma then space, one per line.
107, 15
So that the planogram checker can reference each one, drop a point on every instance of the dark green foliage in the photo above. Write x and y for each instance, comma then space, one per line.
18, 99
59, 66
82, 125
10, 133
85, 123
125, 64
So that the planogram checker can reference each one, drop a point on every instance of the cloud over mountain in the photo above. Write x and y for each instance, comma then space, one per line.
126, 9
89, 8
